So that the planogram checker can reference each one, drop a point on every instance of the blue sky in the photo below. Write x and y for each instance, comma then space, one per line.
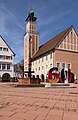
53, 17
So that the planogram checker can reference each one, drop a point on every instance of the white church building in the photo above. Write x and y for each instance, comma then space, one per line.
6, 61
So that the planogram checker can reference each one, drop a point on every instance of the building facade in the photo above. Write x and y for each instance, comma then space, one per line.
60, 51
6, 61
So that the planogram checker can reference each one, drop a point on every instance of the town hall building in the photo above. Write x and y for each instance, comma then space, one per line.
6, 62
60, 51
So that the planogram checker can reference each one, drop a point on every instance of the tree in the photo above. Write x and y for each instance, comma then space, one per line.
19, 68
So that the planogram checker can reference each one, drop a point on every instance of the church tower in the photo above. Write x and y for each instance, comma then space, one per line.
30, 39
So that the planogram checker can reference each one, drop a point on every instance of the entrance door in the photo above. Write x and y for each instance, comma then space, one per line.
6, 77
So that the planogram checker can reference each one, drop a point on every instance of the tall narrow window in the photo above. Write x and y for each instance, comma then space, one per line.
46, 66
63, 65
51, 65
58, 64
36, 69
50, 55
0, 66
69, 65
3, 66
38, 60
8, 66
42, 59
39, 68
42, 67
46, 57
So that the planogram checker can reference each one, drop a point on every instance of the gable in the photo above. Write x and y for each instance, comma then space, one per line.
3, 44
70, 42
52, 44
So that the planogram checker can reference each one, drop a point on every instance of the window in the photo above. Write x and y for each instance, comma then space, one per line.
58, 65
51, 65
5, 49
46, 57
36, 69
50, 55
42, 59
42, 67
0, 66
11, 57
8, 57
3, 66
3, 57
8, 66
39, 68
63, 65
46, 66
69, 65
38, 60
0, 56
0, 48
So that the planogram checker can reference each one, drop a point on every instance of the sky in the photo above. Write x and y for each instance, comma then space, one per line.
53, 16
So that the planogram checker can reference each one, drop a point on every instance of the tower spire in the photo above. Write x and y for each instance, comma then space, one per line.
31, 16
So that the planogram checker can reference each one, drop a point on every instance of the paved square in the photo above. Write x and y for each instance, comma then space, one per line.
38, 103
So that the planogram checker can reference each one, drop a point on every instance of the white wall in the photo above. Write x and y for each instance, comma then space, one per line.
6, 61
38, 64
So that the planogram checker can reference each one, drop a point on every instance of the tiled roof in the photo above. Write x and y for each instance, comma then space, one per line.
51, 44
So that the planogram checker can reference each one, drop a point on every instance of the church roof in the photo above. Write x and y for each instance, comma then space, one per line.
51, 44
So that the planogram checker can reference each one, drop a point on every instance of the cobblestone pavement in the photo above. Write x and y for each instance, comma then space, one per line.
38, 103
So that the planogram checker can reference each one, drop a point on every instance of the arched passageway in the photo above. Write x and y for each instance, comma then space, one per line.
6, 77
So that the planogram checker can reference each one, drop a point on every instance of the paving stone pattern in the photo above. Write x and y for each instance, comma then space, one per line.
38, 103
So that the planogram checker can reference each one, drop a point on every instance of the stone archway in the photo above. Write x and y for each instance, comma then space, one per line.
6, 77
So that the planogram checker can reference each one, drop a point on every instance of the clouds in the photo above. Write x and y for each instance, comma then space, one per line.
50, 21
11, 30
5, 16
53, 17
